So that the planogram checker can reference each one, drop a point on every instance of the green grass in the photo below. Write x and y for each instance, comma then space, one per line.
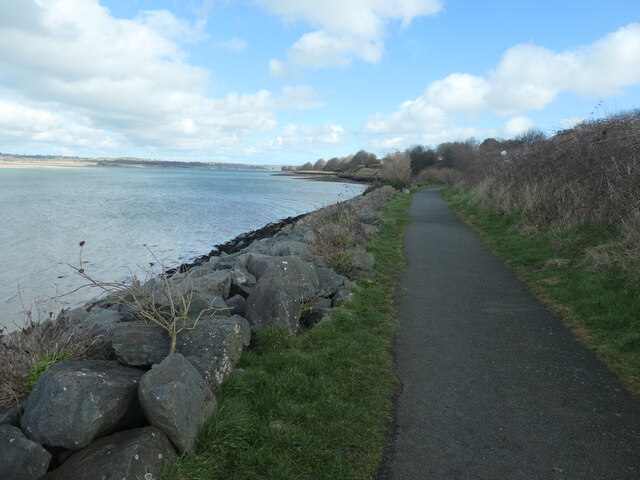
316, 405
601, 306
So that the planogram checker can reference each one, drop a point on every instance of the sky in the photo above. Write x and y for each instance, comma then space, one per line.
290, 81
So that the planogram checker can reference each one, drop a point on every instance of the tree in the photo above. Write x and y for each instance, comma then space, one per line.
396, 168
319, 165
306, 166
421, 158
362, 159
332, 165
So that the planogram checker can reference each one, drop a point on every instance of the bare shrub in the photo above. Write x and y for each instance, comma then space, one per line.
433, 175
336, 233
41, 343
588, 173
164, 302
378, 197
396, 169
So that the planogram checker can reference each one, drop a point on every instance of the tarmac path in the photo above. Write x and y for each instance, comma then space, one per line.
493, 385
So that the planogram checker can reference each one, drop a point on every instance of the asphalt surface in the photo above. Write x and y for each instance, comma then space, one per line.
493, 386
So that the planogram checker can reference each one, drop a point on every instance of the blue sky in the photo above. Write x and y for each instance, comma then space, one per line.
285, 82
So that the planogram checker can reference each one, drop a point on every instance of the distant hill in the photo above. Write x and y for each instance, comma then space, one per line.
126, 162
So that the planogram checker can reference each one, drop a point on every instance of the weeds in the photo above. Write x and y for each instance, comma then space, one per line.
26, 353
165, 303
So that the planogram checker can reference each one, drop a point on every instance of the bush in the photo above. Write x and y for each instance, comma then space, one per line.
396, 169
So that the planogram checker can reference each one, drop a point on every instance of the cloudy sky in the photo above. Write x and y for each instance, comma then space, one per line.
290, 81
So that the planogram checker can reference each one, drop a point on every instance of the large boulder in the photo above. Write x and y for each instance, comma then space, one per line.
329, 281
140, 344
270, 305
296, 277
99, 321
286, 247
176, 399
11, 415
213, 347
20, 458
133, 454
77, 401
207, 304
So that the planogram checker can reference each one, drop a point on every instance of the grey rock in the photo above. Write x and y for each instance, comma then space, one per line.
245, 329
213, 347
140, 344
11, 415
322, 302
296, 277
284, 248
207, 304
133, 454
215, 282
271, 306
241, 279
329, 281
75, 402
100, 321
238, 305
20, 458
75, 315
341, 296
177, 400
258, 264
368, 216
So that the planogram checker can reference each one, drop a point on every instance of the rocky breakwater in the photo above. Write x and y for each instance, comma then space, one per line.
124, 416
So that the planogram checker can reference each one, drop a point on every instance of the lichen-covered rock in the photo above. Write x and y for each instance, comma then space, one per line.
176, 399
133, 454
270, 305
77, 401
213, 347
296, 277
20, 458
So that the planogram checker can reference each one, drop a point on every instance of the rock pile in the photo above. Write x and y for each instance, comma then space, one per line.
124, 417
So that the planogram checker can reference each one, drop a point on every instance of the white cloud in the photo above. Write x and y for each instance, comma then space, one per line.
571, 122
306, 137
527, 77
345, 30
27, 124
517, 125
232, 44
124, 79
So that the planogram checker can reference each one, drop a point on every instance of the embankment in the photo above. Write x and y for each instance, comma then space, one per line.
130, 403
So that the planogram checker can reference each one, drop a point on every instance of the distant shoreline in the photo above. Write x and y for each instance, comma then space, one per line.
26, 161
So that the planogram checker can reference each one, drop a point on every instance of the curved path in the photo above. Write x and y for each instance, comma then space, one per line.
493, 386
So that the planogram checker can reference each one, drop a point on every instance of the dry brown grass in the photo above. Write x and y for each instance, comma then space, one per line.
336, 233
20, 349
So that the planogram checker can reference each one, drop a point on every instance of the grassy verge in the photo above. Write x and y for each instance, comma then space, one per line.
312, 406
601, 303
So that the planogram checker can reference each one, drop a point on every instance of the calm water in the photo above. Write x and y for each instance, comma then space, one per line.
179, 213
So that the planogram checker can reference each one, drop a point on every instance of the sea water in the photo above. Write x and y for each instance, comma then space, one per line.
132, 220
